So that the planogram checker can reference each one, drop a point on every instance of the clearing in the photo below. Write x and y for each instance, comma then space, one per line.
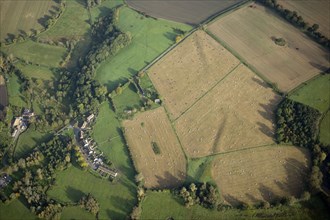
189, 12
187, 72
313, 12
262, 174
250, 32
23, 16
237, 113
155, 149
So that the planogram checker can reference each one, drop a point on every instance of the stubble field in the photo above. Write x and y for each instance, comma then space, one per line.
313, 12
236, 114
250, 32
187, 72
163, 170
262, 174
21, 16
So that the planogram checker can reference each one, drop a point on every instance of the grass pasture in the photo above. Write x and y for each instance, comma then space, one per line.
186, 73
249, 32
3, 93
315, 93
15, 210
224, 121
129, 99
14, 95
75, 212
160, 170
37, 53
36, 72
149, 39
313, 12
189, 12
23, 16
261, 174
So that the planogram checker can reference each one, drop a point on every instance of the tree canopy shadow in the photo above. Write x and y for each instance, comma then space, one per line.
74, 194
168, 181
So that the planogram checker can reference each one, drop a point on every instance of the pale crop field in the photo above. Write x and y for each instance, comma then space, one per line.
22, 15
261, 174
186, 73
163, 170
236, 114
250, 32
313, 12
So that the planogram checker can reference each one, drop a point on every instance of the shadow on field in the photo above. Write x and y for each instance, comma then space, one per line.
296, 172
43, 20
169, 35
74, 194
112, 85
218, 135
267, 193
319, 67
168, 181
265, 129
260, 82
114, 215
122, 204
253, 199
267, 113
232, 200
103, 12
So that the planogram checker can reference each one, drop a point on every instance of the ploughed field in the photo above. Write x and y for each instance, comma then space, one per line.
188, 11
313, 12
155, 149
250, 32
23, 16
262, 174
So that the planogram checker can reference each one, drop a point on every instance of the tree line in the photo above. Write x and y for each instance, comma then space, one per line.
298, 124
297, 20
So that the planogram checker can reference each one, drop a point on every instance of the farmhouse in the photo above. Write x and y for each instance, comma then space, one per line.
84, 125
90, 118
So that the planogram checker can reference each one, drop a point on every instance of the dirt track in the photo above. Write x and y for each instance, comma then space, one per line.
190, 12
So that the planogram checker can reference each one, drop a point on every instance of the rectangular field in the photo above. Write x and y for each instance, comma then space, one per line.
237, 113
22, 16
262, 174
313, 12
187, 72
3, 93
163, 167
250, 32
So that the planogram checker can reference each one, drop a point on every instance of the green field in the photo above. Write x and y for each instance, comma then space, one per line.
37, 53
75, 212
15, 210
103, 9
116, 199
37, 72
129, 99
150, 37
27, 141
325, 129
15, 97
73, 23
316, 93
163, 205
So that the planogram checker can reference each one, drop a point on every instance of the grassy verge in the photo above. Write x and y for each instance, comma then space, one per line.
315, 93
325, 129
14, 95
150, 37
199, 170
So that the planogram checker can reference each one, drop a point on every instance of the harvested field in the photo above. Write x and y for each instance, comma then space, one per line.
23, 16
250, 32
313, 12
3, 93
236, 114
262, 174
189, 12
187, 72
160, 170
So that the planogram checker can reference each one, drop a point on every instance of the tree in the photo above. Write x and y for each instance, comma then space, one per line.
136, 213
89, 203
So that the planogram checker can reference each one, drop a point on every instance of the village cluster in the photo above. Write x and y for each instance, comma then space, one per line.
91, 153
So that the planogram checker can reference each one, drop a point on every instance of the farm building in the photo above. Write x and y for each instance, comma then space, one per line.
107, 171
